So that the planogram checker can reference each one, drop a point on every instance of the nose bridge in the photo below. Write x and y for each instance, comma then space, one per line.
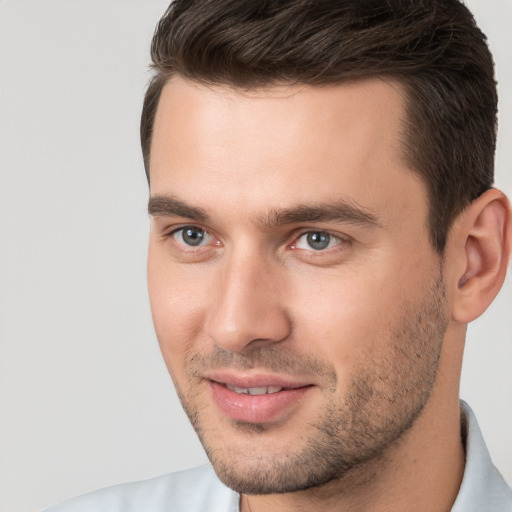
246, 309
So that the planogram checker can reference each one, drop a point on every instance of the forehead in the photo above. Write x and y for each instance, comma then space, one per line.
282, 145
360, 109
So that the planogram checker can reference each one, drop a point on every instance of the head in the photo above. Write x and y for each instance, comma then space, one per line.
307, 163
432, 48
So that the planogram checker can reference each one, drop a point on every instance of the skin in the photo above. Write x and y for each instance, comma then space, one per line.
370, 328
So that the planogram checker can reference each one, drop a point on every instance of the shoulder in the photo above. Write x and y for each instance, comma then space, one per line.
192, 490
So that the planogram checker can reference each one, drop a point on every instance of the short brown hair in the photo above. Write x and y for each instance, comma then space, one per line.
432, 47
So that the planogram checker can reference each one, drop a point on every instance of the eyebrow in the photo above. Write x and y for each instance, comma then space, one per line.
169, 206
338, 211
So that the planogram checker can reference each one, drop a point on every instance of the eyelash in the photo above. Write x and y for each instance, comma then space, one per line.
338, 238
331, 237
182, 229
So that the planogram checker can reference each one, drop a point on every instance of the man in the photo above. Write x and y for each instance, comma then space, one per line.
323, 229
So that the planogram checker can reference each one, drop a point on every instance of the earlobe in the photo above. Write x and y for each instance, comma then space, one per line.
485, 243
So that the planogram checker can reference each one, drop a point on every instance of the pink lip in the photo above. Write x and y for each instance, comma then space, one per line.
256, 408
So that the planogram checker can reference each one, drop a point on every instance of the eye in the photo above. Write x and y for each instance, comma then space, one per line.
316, 240
191, 236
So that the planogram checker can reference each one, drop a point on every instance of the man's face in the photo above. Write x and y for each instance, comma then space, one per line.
298, 303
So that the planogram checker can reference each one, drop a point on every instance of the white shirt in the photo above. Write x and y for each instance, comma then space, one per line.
199, 490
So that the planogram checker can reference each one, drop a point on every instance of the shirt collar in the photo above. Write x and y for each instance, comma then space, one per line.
482, 488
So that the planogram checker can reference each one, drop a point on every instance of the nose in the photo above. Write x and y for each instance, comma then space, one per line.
246, 310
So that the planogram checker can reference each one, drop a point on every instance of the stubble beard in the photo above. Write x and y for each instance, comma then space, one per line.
385, 397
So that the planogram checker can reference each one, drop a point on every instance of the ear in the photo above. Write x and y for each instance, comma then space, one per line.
483, 244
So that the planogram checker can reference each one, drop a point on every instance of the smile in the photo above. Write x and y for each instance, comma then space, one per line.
250, 399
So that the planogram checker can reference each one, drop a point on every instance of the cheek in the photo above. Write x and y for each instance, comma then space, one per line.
346, 318
177, 306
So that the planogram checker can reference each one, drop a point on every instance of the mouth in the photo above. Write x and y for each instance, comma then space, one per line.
257, 399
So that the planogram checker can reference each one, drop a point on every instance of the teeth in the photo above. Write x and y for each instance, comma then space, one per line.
257, 391
254, 391
241, 391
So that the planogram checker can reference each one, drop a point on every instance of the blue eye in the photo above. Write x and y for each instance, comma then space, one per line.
191, 236
316, 240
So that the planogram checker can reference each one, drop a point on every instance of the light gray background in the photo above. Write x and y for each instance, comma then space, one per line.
85, 401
